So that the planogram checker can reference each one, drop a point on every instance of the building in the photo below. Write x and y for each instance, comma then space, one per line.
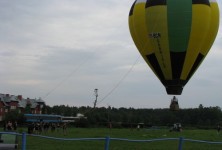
11, 103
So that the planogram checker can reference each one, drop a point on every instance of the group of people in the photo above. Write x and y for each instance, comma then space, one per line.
10, 126
39, 127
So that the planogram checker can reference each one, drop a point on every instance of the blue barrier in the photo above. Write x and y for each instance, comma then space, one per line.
107, 140
180, 143
23, 141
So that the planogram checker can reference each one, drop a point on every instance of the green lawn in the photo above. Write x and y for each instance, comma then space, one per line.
36, 143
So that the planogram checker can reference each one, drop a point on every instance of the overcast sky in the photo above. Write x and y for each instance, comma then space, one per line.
61, 50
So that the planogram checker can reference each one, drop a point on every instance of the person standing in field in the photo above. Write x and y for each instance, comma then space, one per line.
138, 127
218, 129
58, 127
64, 126
15, 125
9, 126
5, 126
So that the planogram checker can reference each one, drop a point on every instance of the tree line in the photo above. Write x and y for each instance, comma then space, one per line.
201, 117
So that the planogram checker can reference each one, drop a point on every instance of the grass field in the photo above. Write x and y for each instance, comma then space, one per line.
37, 143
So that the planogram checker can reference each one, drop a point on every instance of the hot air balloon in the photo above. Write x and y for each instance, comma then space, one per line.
174, 37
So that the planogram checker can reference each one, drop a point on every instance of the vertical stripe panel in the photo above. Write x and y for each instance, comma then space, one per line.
200, 26
138, 30
156, 19
140, 27
212, 31
179, 14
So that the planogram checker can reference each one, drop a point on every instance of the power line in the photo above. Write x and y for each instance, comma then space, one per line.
120, 81
66, 78
117, 85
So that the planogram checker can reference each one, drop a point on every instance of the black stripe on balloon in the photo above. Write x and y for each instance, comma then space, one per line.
150, 3
155, 65
195, 65
174, 87
132, 8
177, 61
206, 2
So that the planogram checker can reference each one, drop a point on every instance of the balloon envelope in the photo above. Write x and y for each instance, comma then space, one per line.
174, 36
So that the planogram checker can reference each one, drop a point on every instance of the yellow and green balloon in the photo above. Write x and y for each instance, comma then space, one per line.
174, 36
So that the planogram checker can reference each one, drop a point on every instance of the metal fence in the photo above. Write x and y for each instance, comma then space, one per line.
107, 140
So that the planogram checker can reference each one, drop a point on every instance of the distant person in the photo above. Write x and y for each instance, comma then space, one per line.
58, 127
138, 127
15, 125
179, 128
53, 127
218, 129
5, 126
64, 126
30, 129
110, 125
46, 127
9, 126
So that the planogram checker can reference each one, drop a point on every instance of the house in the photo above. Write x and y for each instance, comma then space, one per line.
10, 103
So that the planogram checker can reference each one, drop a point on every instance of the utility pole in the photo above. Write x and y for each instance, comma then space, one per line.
108, 109
109, 120
96, 94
